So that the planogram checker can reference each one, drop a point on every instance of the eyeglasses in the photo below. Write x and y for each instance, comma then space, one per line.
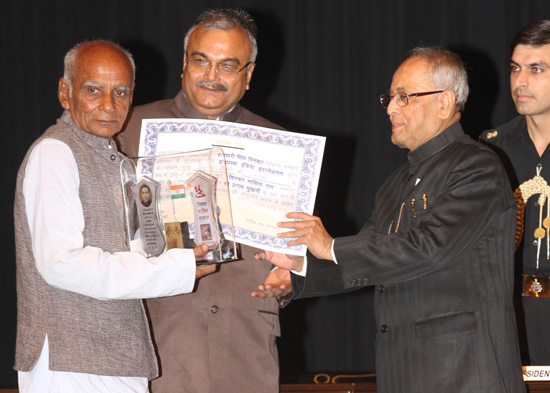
402, 98
223, 70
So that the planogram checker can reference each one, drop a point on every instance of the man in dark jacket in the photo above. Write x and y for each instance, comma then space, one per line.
438, 247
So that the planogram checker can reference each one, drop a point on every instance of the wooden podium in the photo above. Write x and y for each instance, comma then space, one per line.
365, 383
360, 387
370, 387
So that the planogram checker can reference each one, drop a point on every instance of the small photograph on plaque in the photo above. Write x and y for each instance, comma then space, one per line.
179, 201
203, 196
145, 231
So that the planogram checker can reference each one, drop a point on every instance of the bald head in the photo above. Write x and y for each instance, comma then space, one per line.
72, 57
97, 87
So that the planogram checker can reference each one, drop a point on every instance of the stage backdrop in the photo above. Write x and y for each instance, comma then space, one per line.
321, 67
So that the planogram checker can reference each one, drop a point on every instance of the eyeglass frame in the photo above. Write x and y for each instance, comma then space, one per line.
406, 95
209, 66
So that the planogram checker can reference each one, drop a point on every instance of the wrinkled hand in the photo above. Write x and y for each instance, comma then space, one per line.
277, 283
203, 270
309, 231
289, 262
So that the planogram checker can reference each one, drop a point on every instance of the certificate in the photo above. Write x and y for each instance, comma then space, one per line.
270, 172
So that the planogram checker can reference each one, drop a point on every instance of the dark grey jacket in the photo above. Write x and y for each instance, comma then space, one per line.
439, 247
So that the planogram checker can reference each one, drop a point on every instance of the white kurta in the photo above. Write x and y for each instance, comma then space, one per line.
56, 221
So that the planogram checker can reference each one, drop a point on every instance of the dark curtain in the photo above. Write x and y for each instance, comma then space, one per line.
322, 65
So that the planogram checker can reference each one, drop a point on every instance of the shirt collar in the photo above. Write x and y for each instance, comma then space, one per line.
189, 112
436, 144
103, 146
523, 132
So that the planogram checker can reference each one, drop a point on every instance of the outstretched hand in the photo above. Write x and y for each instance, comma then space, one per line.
276, 284
289, 262
308, 230
203, 270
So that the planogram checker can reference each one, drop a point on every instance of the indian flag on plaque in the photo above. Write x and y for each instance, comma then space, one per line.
177, 191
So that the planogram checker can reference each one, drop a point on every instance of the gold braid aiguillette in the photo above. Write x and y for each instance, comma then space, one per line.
540, 232
535, 186
546, 224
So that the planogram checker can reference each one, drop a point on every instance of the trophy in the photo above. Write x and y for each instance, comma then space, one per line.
147, 231
203, 195
179, 201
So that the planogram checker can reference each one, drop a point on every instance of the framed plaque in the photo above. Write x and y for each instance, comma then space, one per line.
179, 201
